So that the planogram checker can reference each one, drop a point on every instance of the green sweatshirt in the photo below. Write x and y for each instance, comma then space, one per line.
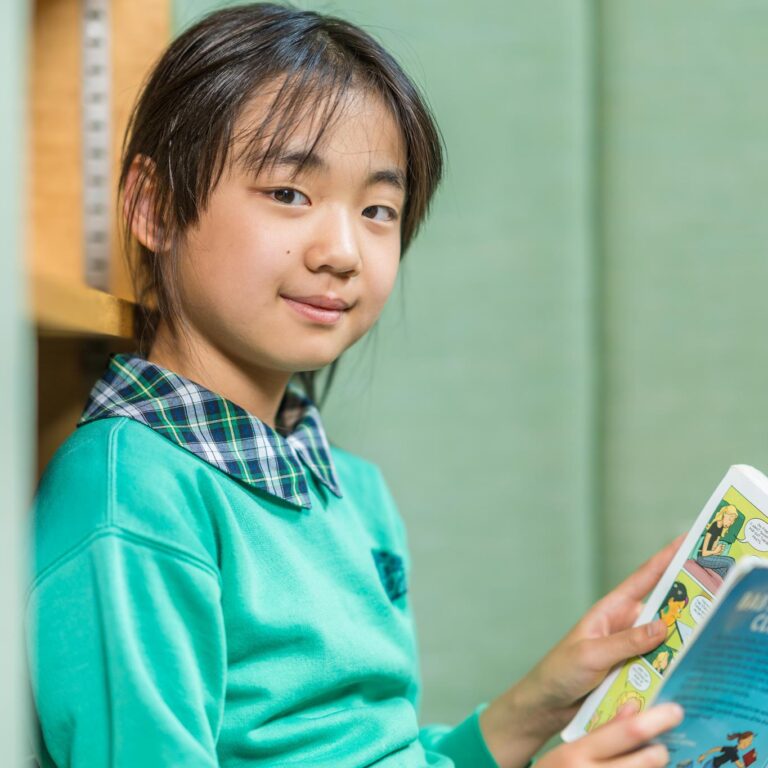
177, 617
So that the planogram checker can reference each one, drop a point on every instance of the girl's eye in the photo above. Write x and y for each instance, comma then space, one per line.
380, 213
289, 196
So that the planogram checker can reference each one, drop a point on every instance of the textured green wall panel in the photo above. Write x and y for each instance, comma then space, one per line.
474, 396
16, 378
684, 185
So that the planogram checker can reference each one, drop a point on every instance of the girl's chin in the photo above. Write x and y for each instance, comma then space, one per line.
317, 356
271, 364
311, 363
292, 357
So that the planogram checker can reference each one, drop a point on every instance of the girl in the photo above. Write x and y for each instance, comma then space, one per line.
215, 584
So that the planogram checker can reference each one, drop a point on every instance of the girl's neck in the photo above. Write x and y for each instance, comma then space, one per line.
257, 390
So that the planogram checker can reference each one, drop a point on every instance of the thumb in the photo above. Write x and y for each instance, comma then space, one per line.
635, 641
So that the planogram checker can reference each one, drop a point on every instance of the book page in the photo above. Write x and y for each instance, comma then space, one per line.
729, 528
722, 683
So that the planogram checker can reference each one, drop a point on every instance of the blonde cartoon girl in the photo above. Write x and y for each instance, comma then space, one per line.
710, 554
628, 703
214, 582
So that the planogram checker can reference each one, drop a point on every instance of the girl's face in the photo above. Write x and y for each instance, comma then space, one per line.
270, 250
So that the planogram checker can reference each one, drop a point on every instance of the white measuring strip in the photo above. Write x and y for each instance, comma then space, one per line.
97, 140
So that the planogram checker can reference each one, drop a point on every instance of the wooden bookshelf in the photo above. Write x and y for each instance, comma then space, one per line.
66, 309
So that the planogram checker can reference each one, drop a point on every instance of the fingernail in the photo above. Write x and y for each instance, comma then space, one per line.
655, 628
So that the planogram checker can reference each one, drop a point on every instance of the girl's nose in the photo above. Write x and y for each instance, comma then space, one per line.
335, 246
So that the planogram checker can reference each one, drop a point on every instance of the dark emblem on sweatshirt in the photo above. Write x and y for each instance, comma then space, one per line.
391, 572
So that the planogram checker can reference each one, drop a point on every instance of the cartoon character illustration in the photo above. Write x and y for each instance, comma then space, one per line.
660, 658
677, 631
672, 608
629, 703
711, 553
730, 752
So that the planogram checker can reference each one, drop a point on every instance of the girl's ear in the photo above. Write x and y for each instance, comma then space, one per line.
139, 196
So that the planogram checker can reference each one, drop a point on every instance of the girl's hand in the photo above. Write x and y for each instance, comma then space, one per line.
517, 723
620, 743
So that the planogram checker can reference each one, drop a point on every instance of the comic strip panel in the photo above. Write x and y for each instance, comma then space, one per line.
736, 529
630, 692
684, 606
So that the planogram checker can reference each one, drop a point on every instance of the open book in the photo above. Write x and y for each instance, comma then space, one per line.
713, 598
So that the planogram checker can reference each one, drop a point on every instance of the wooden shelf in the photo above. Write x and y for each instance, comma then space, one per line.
77, 326
66, 309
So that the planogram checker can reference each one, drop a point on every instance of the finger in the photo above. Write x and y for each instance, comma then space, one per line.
638, 584
624, 711
621, 736
621, 612
601, 653
655, 756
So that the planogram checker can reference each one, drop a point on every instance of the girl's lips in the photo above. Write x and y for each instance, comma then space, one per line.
316, 314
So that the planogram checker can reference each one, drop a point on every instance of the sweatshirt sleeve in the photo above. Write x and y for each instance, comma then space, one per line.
126, 649
463, 743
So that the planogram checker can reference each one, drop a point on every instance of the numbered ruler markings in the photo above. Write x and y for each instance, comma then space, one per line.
96, 130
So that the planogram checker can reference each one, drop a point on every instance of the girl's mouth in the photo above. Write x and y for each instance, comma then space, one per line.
315, 313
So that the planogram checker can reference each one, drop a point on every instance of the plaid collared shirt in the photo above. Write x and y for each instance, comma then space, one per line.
218, 430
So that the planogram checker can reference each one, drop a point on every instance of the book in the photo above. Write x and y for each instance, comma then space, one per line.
721, 679
723, 558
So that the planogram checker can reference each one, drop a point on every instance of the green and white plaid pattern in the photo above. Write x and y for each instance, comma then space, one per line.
218, 430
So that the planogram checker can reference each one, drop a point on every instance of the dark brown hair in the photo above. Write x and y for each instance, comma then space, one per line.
184, 118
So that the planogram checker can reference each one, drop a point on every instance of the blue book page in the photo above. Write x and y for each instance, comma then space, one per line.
722, 683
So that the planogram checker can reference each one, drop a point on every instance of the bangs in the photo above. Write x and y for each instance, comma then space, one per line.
312, 101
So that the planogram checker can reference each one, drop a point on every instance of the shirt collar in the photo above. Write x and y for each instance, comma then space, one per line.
218, 430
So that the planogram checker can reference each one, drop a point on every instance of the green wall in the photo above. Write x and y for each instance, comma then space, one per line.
17, 377
684, 260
